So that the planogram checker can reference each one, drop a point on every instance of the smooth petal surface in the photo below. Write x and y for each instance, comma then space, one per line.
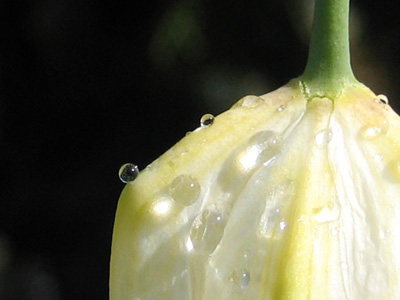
282, 197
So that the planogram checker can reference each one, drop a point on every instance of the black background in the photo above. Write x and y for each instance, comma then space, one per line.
86, 86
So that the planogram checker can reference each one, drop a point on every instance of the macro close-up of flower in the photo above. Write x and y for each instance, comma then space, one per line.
293, 194
194, 150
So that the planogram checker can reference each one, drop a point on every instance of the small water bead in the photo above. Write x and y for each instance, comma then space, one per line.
185, 189
370, 132
264, 146
240, 277
383, 233
281, 108
128, 172
282, 225
334, 231
323, 137
207, 120
382, 99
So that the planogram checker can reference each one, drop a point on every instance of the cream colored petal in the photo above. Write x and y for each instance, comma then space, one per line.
282, 197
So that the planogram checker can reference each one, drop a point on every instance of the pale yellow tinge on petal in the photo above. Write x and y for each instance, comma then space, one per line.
283, 197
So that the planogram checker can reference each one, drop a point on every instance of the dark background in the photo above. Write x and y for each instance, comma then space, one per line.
86, 86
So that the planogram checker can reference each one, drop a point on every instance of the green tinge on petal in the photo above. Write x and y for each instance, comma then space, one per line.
283, 197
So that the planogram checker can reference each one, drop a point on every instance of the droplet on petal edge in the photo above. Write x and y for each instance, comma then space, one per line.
249, 102
296, 203
128, 172
382, 99
207, 120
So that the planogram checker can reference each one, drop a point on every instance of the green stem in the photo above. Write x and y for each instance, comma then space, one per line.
328, 69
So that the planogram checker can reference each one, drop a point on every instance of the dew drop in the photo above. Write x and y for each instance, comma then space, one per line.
185, 189
382, 99
128, 172
323, 137
240, 277
207, 231
371, 132
207, 120
281, 108
383, 233
282, 225
344, 265
334, 231
250, 101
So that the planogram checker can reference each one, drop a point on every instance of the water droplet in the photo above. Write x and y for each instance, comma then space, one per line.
250, 101
370, 132
282, 225
186, 151
128, 172
344, 265
382, 99
272, 220
207, 120
264, 146
247, 254
281, 108
207, 231
185, 189
241, 277
323, 137
383, 233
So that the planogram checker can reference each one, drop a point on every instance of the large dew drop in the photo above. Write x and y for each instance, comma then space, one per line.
207, 231
207, 120
185, 189
128, 172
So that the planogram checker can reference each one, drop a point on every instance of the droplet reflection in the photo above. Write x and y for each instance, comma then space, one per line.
128, 172
207, 120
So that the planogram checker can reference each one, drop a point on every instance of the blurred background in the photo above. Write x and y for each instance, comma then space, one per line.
87, 85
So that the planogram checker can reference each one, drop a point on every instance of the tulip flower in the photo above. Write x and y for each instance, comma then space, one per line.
291, 195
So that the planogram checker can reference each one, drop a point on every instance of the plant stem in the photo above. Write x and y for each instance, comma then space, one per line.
328, 69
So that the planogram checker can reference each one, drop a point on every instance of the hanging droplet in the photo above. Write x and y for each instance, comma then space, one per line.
185, 189
207, 120
128, 172
382, 99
